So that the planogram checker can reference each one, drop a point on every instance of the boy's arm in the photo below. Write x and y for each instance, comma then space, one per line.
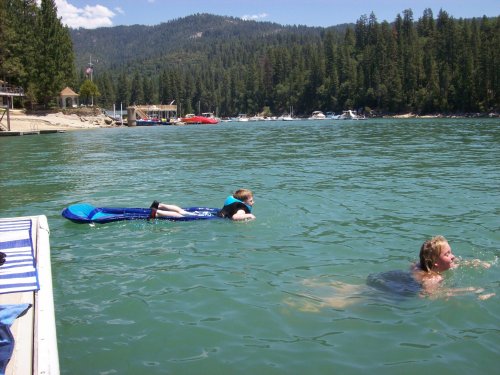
242, 215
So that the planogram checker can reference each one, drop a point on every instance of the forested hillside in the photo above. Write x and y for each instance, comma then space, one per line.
429, 64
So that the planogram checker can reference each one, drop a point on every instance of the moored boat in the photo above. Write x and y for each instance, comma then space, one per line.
350, 115
152, 121
211, 117
317, 115
287, 117
256, 118
204, 119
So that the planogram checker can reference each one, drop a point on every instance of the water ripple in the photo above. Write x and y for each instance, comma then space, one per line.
335, 202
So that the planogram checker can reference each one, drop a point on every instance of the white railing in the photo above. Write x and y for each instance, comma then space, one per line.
11, 90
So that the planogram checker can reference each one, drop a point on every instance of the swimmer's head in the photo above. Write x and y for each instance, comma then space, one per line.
436, 255
244, 195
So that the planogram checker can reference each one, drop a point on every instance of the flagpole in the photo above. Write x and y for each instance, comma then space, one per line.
91, 75
90, 69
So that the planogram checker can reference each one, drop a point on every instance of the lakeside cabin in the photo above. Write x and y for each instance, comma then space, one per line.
26, 240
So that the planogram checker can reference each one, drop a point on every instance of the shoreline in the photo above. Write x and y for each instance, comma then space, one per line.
440, 115
20, 121
57, 121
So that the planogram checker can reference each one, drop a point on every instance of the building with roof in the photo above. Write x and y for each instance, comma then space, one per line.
68, 98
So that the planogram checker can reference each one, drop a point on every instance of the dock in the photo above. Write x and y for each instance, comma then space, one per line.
29, 132
8, 92
35, 348
148, 115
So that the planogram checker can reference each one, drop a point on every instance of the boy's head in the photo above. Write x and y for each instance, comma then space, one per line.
244, 195
435, 254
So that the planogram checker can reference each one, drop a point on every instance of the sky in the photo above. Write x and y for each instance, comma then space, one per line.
92, 14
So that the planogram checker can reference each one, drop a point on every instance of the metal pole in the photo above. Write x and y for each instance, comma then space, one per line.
8, 116
91, 75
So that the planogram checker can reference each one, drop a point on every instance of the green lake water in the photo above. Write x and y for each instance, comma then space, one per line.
336, 201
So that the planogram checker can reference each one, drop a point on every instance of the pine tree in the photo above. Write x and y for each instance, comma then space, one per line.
123, 90
55, 60
137, 93
105, 84
148, 90
17, 36
10, 65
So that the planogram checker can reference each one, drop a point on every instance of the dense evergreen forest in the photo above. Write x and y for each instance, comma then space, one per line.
433, 64
36, 51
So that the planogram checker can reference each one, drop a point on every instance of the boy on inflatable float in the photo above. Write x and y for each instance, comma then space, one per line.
236, 207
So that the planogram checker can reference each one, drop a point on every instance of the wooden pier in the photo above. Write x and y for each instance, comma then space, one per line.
35, 348
30, 132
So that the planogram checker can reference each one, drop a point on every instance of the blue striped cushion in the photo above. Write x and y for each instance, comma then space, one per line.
18, 273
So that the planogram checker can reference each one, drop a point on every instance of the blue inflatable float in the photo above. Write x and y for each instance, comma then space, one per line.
86, 213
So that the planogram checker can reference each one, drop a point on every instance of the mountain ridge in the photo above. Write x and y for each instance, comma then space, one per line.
129, 44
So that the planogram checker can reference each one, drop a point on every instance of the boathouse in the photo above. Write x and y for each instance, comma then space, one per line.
156, 114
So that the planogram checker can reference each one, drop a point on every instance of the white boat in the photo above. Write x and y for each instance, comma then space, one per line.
333, 116
350, 115
317, 115
242, 117
288, 117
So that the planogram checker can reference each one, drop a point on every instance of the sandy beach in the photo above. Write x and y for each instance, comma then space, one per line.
23, 122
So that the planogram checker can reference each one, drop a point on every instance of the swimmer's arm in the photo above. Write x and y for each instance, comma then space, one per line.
469, 290
430, 286
454, 292
242, 215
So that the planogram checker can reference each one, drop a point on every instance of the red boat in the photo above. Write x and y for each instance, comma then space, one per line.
205, 118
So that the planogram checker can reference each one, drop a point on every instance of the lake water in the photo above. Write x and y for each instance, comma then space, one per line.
335, 202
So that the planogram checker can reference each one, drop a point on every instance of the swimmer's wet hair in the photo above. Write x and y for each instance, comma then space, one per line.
430, 252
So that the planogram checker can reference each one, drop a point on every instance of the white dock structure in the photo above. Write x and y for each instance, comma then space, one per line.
7, 92
35, 348
157, 113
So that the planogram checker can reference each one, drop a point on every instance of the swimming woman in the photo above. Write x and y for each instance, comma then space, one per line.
436, 257
424, 279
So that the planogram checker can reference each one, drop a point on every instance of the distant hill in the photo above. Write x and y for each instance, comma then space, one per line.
175, 41
229, 66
